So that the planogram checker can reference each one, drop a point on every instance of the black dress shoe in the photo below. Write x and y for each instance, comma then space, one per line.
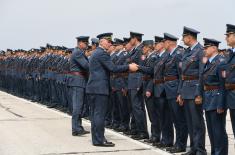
190, 152
175, 149
151, 140
139, 137
105, 144
80, 133
130, 132
121, 129
109, 126
52, 106
160, 145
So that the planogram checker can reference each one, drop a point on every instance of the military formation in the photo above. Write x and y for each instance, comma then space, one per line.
116, 82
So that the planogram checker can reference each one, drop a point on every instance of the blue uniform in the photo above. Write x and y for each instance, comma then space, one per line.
213, 99
79, 68
162, 122
230, 85
172, 74
135, 93
192, 67
121, 108
98, 90
148, 85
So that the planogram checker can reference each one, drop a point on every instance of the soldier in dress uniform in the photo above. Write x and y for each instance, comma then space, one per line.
79, 68
189, 91
117, 86
229, 73
213, 98
149, 57
135, 89
164, 134
172, 74
98, 87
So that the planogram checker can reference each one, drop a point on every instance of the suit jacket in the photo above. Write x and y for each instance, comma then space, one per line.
148, 83
230, 78
171, 68
78, 63
157, 71
191, 65
100, 67
119, 82
135, 79
215, 99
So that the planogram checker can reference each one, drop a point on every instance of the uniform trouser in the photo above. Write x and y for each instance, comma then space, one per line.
124, 110
164, 121
61, 96
108, 115
45, 90
216, 125
52, 91
179, 120
77, 102
196, 125
132, 119
154, 117
138, 111
98, 105
232, 116
116, 108
86, 108
69, 99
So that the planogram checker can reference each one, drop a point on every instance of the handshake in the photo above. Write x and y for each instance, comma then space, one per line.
133, 67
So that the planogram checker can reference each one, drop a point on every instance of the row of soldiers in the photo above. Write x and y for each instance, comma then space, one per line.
174, 85
40, 75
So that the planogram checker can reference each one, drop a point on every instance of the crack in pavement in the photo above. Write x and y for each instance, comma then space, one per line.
89, 152
12, 112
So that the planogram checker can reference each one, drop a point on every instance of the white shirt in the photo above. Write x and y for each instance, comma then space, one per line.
211, 58
173, 51
160, 54
150, 54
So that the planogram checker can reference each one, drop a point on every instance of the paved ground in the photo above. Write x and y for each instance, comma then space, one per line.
31, 129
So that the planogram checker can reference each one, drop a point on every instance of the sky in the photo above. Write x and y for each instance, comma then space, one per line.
26, 24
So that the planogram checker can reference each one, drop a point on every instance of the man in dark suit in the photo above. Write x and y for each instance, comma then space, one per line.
164, 133
190, 95
77, 80
229, 73
149, 57
135, 88
98, 87
171, 83
213, 98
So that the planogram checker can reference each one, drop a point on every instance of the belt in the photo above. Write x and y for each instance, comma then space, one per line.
84, 74
170, 78
210, 88
159, 81
230, 86
189, 77
120, 75
146, 78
